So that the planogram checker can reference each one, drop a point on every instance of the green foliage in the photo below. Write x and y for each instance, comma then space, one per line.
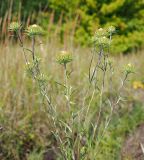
35, 156
121, 126
126, 15
17, 141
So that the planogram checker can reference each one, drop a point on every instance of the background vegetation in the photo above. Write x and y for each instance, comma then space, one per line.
77, 20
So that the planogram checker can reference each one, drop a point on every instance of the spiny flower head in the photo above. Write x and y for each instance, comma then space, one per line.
14, 27
129, 68
100, 32
111, 29
103, 40
100, 38
34, 30
64, 57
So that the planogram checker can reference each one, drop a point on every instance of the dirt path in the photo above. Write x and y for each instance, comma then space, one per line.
132, 149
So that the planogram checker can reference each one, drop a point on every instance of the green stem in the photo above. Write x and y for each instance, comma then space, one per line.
21, 45
97, 64
96, 129
33, 48
66, 85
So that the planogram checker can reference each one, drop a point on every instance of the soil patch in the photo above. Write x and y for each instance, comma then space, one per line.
132, 148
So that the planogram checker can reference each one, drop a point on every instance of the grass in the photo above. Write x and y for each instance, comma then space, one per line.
24, 124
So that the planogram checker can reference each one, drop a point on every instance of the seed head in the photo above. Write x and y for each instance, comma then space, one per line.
14, 27
64, 57
34, 30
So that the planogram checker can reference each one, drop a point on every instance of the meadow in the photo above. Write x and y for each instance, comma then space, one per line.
25, 124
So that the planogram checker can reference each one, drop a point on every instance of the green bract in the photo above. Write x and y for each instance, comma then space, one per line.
34, 30
100, 38
103, 41
64, 57
100, 33
129, 68
14, 26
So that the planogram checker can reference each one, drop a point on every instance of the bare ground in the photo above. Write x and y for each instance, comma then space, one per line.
132, 147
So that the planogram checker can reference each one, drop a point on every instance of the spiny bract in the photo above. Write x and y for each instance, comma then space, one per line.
64, 57
129, 68
34, 30
14, 26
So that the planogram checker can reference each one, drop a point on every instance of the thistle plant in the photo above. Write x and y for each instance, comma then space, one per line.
32, 65
129, 68
14, 27
102, 71
79, 135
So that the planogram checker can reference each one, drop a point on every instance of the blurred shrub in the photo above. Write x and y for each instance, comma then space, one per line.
126, 15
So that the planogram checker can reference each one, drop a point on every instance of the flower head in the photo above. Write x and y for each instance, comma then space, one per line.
14, 26
104, 41
111, 29
101, 41
64, 57
100, 38
100, 32
129, 68
34, 30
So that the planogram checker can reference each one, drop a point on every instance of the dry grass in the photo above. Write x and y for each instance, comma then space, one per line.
17, 88
20, 103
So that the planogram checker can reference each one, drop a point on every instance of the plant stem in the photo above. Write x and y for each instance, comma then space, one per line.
33, 48
66, 85
65, 74
98, 123
97, 64
21, 44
